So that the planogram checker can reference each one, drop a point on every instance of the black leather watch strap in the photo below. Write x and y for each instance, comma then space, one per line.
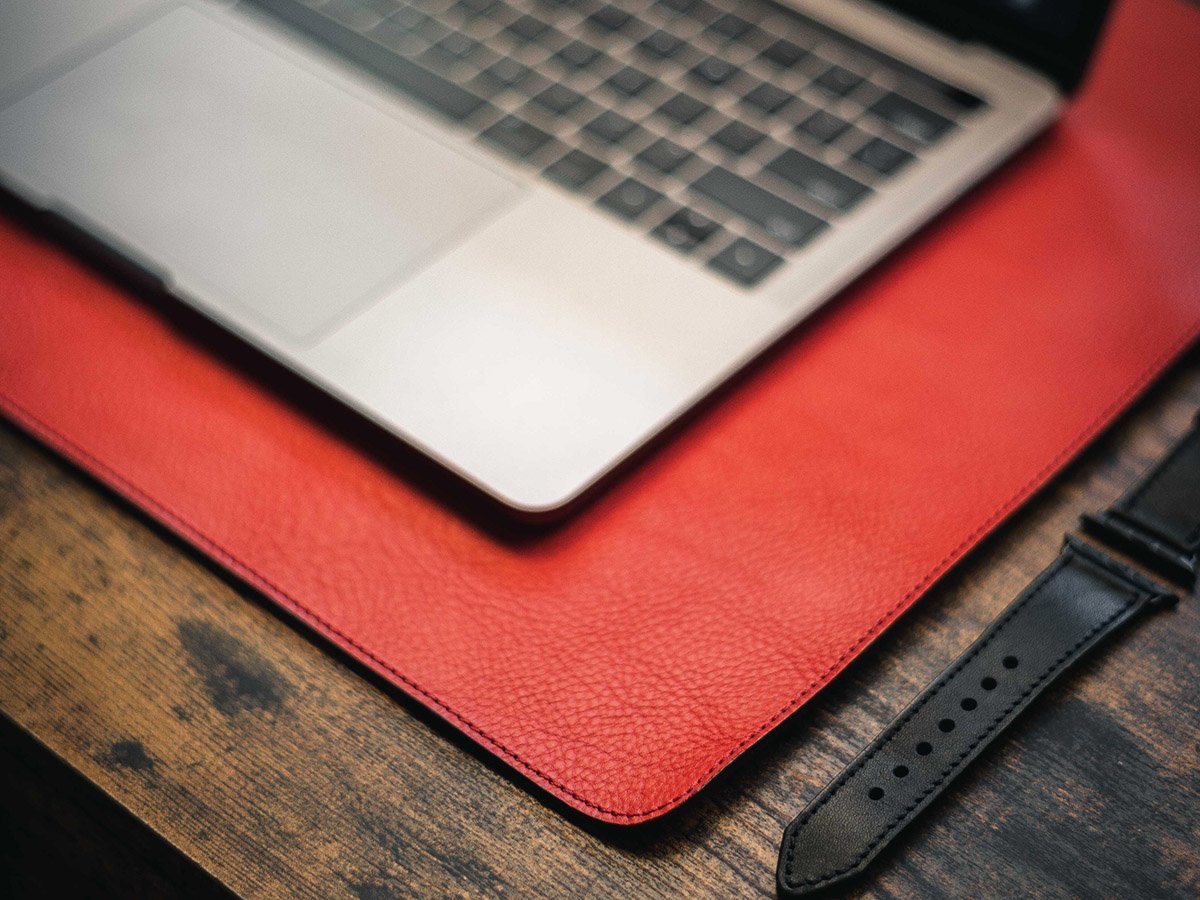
1157, 521
1073, 605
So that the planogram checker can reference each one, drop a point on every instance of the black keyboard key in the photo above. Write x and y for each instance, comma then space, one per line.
745, 262
449, 51
823, 127
738, 137
437, 58
784, 54
457, 45
767, 98
827, 186
433, 91
527, 28
352, 14
661, 44
470, 8
683, 108
398, 36
665, 156
558, 98
575, 170
713, 71
911, 119
502, 75
784, 221
729, 27
630, 199
838, 82
872, 55
382, 7
409, 17
508, 71
629, 81
686, 230
609, 18
482, 57
610, 127
882, 156
515, 136
577, 55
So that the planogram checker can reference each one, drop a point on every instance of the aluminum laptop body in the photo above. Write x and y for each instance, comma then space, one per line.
524, 236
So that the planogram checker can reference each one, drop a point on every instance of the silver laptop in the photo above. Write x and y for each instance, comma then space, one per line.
522, 235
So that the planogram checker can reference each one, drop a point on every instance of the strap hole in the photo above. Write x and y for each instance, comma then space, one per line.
988, 684
900, 771
924, 748
875, 793
946, 725
968, 703
1010, 662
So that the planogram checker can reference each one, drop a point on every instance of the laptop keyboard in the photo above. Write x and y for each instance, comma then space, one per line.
737, 138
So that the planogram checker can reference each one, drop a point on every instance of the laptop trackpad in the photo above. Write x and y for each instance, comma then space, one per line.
264, 191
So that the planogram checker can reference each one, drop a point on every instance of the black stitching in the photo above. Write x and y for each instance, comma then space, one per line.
1172, 460
186, 530
332, 632
1103, 561
942, 682
933, 690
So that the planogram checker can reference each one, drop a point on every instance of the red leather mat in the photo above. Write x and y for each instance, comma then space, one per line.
622, 660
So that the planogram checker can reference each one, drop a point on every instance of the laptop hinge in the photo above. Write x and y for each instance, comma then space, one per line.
1059, 48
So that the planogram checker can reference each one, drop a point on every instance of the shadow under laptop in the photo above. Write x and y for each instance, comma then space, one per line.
773, 781
418, 471
800, 736
777, 777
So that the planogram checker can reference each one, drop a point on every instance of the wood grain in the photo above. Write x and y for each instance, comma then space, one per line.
283, 770
62, 837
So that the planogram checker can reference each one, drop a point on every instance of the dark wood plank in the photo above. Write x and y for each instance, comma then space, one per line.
62, 837
283, 770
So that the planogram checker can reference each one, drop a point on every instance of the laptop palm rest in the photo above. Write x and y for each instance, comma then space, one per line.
259, 189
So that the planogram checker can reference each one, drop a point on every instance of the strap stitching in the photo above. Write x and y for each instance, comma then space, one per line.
900, 817
1167, 465
932, 691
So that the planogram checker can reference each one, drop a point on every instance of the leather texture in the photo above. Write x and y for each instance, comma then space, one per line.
1158, 519
1082, 598
625, 657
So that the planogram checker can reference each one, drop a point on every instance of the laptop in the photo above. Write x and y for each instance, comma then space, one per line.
523, 236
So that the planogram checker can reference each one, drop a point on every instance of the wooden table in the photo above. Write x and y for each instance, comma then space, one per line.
242, 751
